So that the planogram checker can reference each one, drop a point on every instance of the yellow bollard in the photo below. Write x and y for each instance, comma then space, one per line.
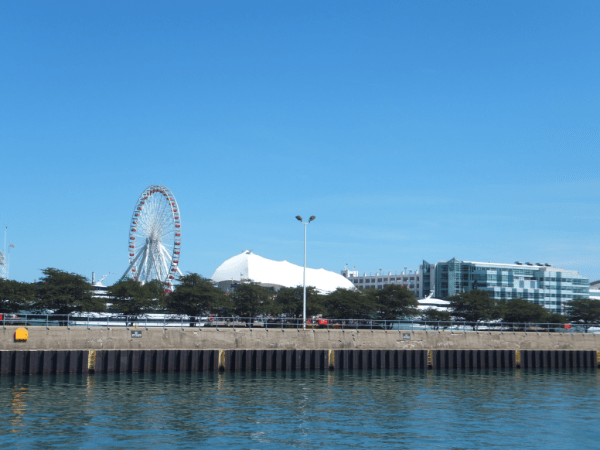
21, 334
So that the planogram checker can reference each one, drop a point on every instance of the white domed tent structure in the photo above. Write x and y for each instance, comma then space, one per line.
250, 267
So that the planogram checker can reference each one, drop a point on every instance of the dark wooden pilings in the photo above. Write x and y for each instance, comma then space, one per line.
21, 362
539, 359
25, 362
473, 359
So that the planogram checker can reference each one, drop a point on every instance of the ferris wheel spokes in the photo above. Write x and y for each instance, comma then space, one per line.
132, 265
155, 237
167, 254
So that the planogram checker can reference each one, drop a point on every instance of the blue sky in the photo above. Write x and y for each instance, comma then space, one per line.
411, 130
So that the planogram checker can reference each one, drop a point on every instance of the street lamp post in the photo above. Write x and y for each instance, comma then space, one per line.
304, 275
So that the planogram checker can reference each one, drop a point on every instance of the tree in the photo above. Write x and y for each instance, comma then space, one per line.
473, 306
194, 296
394, 301
64, 293
436, 315
134, 299
349, 304
521, 311
555, 318
289, 301
15, 296
583, 310
251, 299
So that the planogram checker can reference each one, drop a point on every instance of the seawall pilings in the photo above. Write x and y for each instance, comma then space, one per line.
133, 350
31, 362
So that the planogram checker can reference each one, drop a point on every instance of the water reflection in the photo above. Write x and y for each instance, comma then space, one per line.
377, 408
18, 406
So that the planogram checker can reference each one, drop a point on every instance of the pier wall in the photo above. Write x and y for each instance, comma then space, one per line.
189, 338
82, 350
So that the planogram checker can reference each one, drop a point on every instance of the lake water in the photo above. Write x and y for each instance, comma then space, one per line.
314, 409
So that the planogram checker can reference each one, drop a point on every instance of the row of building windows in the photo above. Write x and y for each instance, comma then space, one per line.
408, 284
410, 287
383, 280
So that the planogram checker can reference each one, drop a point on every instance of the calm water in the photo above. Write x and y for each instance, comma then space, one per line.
364, 409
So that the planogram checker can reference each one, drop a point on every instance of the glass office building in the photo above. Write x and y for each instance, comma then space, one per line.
538, 283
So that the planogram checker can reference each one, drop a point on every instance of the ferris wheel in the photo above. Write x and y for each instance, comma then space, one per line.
154, 237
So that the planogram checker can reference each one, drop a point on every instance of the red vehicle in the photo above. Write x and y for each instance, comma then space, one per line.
316, 322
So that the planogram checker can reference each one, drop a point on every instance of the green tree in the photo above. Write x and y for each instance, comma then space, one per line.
315, 304
15, 296
134, 299
289, 301
64, 293
349, 304
394, 301
436, 315
521, 311
555, 318
583, 310
474, 306
194, 296
251, 299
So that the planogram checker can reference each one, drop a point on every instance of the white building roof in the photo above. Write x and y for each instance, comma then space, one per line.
249, 266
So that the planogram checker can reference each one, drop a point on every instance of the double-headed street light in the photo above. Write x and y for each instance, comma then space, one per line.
304, 276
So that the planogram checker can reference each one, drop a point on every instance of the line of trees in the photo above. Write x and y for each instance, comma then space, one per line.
65, 293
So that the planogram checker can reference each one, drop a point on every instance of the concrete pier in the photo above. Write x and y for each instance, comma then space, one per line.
191, 338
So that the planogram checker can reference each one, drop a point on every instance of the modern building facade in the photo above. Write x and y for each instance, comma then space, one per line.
411, 280
595, 290
538, 283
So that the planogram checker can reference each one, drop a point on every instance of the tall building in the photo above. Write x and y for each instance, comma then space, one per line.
538, 283
411, 280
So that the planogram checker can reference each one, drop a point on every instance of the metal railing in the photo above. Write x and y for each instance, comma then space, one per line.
91, 320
